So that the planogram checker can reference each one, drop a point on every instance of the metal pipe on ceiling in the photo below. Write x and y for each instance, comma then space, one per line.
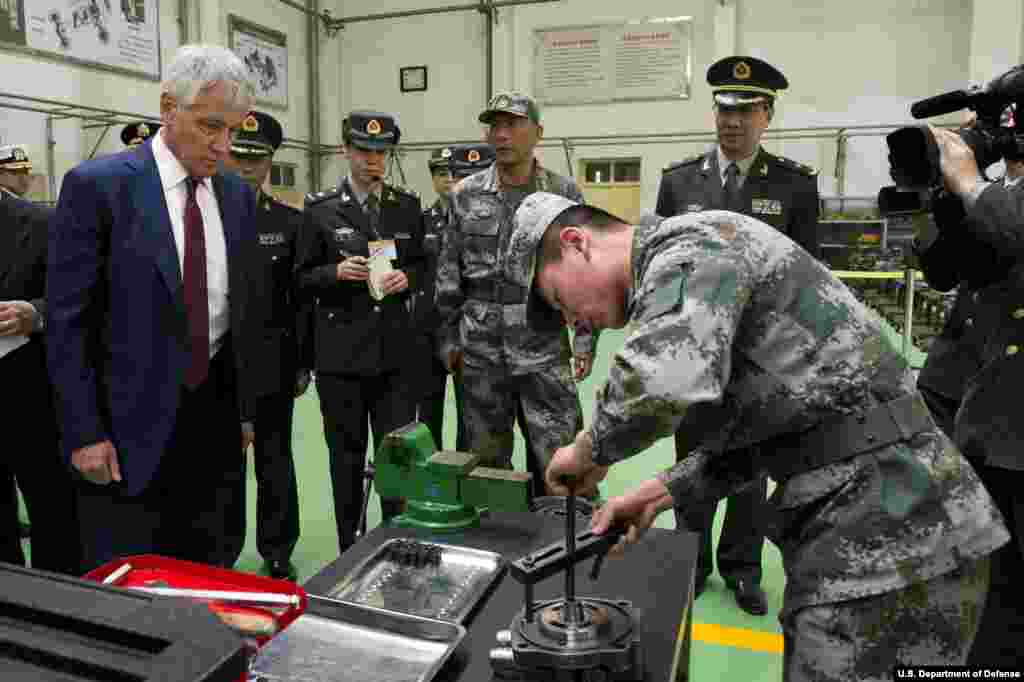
313, 78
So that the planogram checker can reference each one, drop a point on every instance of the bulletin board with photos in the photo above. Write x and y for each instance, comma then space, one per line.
629, 61
265, 53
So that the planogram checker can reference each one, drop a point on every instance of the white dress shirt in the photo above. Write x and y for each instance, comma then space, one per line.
744, 166
172, 178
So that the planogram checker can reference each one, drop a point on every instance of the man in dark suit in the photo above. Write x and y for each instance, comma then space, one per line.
739, 175
981, 249
363, 330
146, 289
278, 346
32, 456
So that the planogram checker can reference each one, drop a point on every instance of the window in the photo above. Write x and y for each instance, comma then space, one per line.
603, 171
282, 175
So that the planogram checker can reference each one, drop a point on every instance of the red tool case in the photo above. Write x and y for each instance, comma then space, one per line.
149, 568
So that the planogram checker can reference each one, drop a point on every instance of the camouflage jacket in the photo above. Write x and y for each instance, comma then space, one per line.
739, 336
474, 252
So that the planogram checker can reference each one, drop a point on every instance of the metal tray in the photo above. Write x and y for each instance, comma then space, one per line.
344, 642
448, 591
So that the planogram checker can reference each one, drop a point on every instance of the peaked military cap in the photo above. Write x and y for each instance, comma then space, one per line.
471, 158
260, 135
13, 157
440, 158
744, 80
136, 133
515, 103
372, 130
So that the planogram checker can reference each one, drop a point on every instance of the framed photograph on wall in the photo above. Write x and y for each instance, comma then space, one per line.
265, 53
412, 78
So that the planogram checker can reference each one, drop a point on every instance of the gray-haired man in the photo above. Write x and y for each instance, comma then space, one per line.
145, 293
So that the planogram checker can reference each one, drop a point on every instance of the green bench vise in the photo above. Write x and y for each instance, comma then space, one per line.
444, 490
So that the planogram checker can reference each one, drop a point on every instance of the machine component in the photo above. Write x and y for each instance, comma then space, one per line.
444, 490
437, 581
59, 628
570, 639
554, 506
350, 643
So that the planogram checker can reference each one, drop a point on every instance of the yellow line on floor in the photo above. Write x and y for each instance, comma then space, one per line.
738, 637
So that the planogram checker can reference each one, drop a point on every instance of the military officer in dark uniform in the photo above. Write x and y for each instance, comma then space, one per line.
362, 322
280, 345
15, 170
739, 175
431, 374
134, 134
32, 458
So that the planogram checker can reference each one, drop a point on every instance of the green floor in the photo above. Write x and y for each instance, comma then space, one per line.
318, 544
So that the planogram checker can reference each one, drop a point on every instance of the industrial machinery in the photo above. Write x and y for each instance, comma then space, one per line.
573, 639
444, 490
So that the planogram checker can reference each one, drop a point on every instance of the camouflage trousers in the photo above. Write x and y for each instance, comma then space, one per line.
545, 403
932, 622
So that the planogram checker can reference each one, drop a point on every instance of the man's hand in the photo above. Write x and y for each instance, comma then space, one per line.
248, 436
17, 318
583, 363
302, 381
354, 269
572, 469
97, 463
636, 509
453, 363
957, 162
394, 282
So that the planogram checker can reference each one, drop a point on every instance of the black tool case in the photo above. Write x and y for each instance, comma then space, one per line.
59, 628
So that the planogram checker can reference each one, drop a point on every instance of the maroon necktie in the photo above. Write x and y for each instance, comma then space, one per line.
196, 304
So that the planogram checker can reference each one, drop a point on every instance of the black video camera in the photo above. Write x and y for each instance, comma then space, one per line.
914, 154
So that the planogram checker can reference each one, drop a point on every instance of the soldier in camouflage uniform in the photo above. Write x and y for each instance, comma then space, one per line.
743, 339
506, 366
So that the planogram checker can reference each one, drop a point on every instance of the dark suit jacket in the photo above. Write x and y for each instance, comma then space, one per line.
23, 230
116, 327
278, 341
978, 357
356, 334
777, 191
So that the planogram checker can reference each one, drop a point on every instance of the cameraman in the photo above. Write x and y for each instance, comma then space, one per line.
980, 246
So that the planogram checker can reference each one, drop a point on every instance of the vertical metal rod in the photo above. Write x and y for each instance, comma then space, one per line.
183, 22
528, 599
51, 159
569, 609
841, 163
908, 312
313, 77
99, 141
488, 12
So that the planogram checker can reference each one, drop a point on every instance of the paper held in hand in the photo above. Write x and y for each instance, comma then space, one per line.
381, 254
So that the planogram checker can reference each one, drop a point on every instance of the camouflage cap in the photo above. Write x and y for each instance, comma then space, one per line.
440, 158
515, 103
530, 222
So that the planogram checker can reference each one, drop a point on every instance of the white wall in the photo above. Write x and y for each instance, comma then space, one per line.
208, 22
847, 63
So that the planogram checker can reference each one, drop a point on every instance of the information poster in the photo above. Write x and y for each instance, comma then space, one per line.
633, 61
117, 34
265, 53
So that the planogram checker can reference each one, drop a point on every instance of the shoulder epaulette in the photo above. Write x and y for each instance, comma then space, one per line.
792, 165
679, 164
316, 197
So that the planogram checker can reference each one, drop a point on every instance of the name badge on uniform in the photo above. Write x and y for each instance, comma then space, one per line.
694, 208
343, 233
384, 248
272, 239
766, 206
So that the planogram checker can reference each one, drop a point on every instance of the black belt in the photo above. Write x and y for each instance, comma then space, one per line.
844, 436
496, 291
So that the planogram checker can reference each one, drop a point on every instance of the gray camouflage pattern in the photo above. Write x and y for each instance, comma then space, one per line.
550, 406
737, 336
931, 623
493, 334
